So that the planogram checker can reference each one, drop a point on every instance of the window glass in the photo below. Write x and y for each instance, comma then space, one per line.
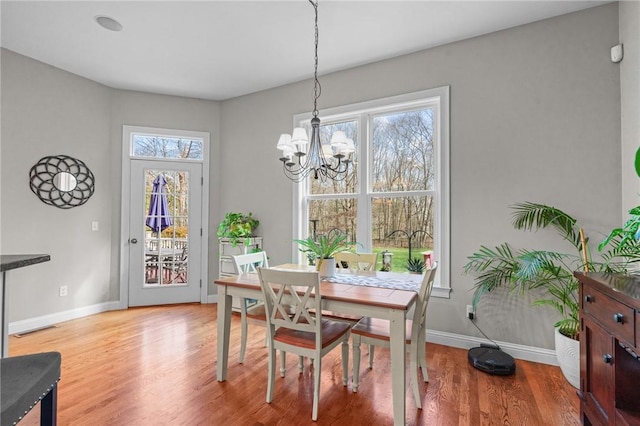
166, 147
403, 155
333, 216
397, 202
403, 227
350, 184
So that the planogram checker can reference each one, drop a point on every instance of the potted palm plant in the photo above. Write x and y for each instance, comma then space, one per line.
527, 269
323, 248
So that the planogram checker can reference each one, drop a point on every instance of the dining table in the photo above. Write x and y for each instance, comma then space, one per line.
376, 294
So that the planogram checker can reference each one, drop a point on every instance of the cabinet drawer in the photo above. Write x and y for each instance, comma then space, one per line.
615, 316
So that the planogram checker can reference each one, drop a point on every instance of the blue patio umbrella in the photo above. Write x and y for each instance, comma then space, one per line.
158, 217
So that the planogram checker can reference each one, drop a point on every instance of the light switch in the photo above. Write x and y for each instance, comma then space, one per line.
94, 226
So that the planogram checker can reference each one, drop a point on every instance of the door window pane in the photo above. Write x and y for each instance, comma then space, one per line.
166, 227
166, 147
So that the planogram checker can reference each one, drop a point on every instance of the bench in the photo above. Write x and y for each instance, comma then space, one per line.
26, 380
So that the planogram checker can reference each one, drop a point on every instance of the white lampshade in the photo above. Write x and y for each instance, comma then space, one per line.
299, 137
327, 150
338, 140
350, 147
284, 142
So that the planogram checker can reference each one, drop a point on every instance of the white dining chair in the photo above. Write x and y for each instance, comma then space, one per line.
302, 333
356, 261
248, 263
375, 332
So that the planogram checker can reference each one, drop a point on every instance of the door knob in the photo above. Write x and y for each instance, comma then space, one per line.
607, 359
618, 317
588, 298
133, 241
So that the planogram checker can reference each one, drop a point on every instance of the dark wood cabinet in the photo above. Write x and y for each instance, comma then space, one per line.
609, 360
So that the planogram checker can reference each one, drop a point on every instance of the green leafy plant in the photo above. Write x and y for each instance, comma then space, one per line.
525, 269
237, 225
623, 243
415, 264
324, 246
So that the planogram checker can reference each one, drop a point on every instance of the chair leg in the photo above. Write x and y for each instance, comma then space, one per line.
356, 361
272, 373
423, 362
371, 350
243, 329
413, 366
49, 408
316, 387
283, 363
345, 362
300, 364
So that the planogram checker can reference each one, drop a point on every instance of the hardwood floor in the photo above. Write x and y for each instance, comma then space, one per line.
156, 366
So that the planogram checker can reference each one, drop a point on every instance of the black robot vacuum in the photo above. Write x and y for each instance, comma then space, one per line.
492, 360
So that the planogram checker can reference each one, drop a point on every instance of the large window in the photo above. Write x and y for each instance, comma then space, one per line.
397, 198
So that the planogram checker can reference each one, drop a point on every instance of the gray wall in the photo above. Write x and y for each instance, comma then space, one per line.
47, 111
535, 115
630, 101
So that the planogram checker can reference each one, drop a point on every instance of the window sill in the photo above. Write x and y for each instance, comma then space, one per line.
442, 292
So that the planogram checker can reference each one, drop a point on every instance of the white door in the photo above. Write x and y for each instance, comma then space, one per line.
165, 244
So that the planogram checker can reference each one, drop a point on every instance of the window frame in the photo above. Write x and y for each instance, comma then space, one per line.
364, 112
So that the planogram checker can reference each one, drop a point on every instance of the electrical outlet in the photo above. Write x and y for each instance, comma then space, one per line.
470, 313
64, 290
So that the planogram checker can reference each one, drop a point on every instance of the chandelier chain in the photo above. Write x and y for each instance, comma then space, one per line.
317, 89
302, 156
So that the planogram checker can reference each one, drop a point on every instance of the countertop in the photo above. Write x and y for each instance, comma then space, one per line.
15, 261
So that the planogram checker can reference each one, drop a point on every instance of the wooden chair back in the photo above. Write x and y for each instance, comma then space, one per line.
420, 312
356, 261
250, 262
290, 297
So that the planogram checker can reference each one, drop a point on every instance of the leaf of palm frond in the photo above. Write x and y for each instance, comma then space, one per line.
626, 249
541, 265
499, 257
528, 216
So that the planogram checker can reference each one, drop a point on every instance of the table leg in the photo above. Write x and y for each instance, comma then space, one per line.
4, 317
398, 368
224, 330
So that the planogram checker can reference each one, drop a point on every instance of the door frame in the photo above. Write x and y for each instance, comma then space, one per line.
127, 132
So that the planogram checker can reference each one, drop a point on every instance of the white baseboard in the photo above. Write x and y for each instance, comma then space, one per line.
52, 319
527, 353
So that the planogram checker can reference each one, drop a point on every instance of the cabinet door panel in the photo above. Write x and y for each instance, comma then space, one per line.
599, 380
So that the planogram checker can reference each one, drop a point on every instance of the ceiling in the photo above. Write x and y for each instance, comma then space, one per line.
223, 49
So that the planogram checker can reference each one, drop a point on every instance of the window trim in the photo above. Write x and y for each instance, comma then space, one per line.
442, 287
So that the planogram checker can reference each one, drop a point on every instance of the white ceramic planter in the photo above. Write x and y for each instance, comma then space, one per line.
568, 354
328, 267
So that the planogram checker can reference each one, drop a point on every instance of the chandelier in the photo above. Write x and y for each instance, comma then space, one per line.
303, 156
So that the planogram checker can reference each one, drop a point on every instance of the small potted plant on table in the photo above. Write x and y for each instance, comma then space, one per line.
323, 248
